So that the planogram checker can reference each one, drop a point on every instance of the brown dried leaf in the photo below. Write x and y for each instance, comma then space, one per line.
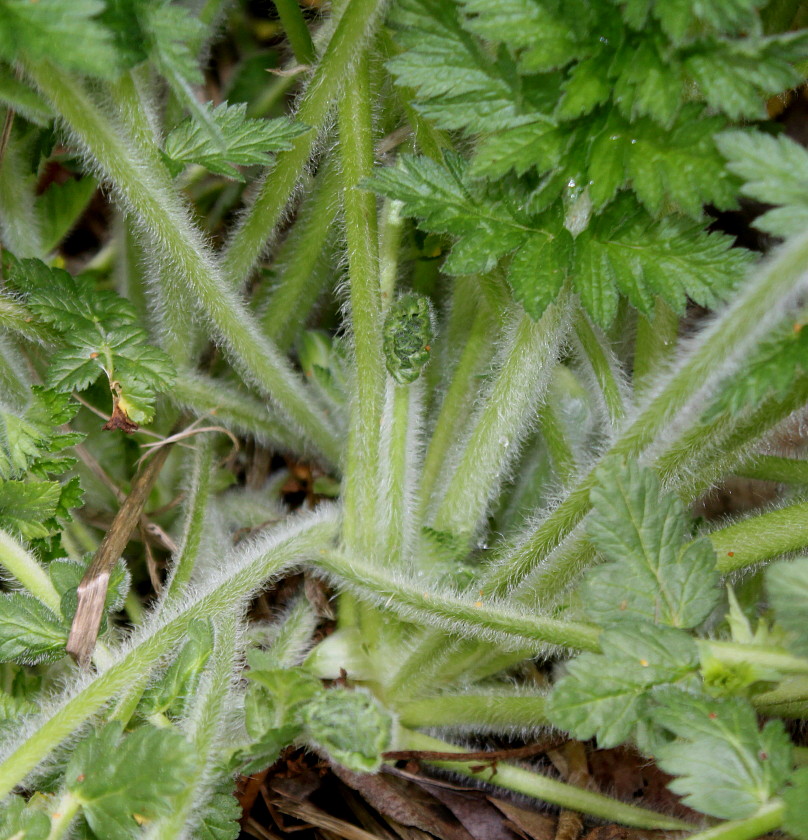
536, 826
404, 802
479, 817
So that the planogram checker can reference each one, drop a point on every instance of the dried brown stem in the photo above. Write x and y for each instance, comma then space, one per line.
93, 587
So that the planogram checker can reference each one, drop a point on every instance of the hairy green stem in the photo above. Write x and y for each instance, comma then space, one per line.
473, 614
294, 634
25, 568
707, 451
204, 726
392, 228
420, 665
788, 699
399, 442
24, 101
761, 537
495, 711
768, 818
130, 269
527, 361
602, 365
246, 571
19, 223
655, 344
63, 814
734, 653
362, 465
478, 345
181, 247
302, 261
182, 566
540, 787
557, 443
774, 468
232, 408
296, 30
335, 70
730, 337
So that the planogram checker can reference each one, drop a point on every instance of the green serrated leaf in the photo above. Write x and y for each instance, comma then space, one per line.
680, 167
275, 698
539, 268
71, 496
679, 18
736, 77
26, 507
544, 35
727, 766
34, 31
458, 85
606, 695
622, 251
787, 588
120, 779
29, 631
99, 336
775, 171
655, 573
28, 436
220, 820
772, 370
68, 303
247, 142
174, 35
20, 822
795, 797
177, 685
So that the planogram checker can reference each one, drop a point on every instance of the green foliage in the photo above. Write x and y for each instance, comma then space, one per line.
572, 105
655, 572
220, 820
407, 338
247, 142
796, 801
99, 334
119, 779
60, 207
273, 711
774, 171
29, 631
607, 695
777, 365
21, 822
29, 438
32, 30
787, 587
351, 727
563, 149
173, 692
726, 766
621, 251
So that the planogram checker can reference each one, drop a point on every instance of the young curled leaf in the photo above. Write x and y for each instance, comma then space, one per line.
350, 726
407, 337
